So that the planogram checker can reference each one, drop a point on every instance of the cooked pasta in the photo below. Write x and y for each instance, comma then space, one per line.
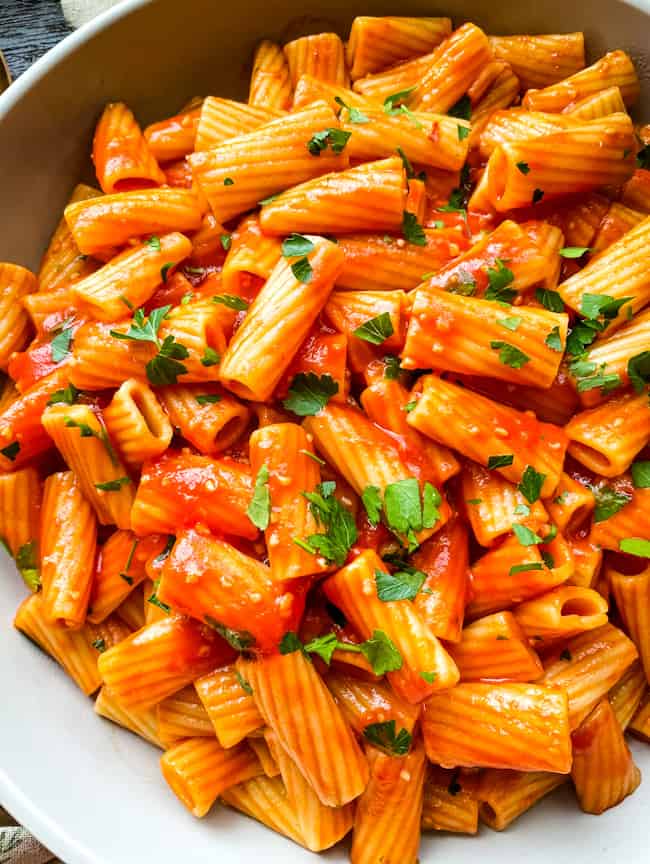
325, 433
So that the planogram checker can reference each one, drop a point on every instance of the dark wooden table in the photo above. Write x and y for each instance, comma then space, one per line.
29, 28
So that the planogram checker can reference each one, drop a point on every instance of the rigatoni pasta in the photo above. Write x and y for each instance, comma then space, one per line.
324, 433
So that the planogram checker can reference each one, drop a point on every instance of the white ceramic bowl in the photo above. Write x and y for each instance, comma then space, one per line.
90, 791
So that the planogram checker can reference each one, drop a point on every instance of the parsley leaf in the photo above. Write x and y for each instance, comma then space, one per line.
499, 277
405, 513
608, 502
509, 354
510, 323
402, 585
302, 270
412, 230
99, 644
231, 301
429, 677
269, 198
381, 653
638, 370
85, 431
228, 181
554, 340
538, 194
210, 357
259, 510
462, 109
335, 138
165, 367
566, 655
27, 564
240, 640
154, 243
635, 546
574, 251
524, 167
383, 736
400, 96
169, 545
61, 343
463, 132
500, 461
355, 115
67, 396
641, 475
550, 300
595, 306
313, 457
375, 330
296, 244
340, 528
525, 536
290, 643
226, 241
524, 568
309, 393
531, 484
243, 683
155, 600
393, 368
371, 498
113, 485
11, 451
589, 376
208, 398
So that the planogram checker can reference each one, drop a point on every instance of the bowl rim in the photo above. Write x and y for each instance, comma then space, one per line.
28, 814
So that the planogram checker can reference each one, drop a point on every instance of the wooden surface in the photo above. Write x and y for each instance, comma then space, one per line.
29, 28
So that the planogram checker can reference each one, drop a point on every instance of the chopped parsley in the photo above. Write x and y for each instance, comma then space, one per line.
336, 139
638, 370
524, 568
309, 393
406, 513
208, 398
259, 510
338, 522
525, 536
85, 431
371, 498
412, 230
509, 354
113, 485
531, 484
554, 340
511, 323
400, 96
500, 461
67, 396
11, 451
635, 546
608, 502
641, 475
240, 640
499, 278
574, 251
402, 585
354, 114
27, 564
295, 245
61, 343
462, 109
538, 194
524, 167
210, 357
375, 330
550, 300
384, 736
302, 270
231, 301
165, 367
